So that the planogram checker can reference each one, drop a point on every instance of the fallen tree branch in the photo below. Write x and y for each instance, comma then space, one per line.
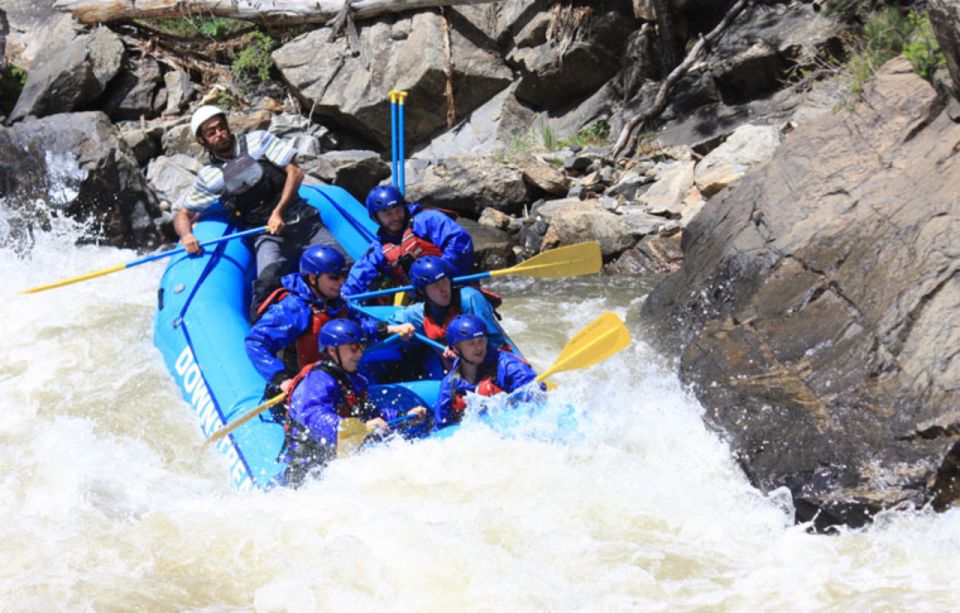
263, 11
666, 88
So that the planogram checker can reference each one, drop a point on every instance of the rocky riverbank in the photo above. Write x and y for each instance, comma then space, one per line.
807, 229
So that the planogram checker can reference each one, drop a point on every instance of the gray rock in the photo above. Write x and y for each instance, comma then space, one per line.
817, 310
489, 129
666, 196
630, 185
654, 254
172, 177
348, 86
492, 248
945, 19
469, 185
78, 165
179, 91
71, 77
582, 54
747, 147
356, 171
572, 221
131, 94
542, 175
35, 29
144, 144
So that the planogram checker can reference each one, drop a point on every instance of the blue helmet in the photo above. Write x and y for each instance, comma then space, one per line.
427, 269
464, 327
383, 197
321, 259
339, 332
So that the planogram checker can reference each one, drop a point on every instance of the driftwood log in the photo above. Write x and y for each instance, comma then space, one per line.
264, 11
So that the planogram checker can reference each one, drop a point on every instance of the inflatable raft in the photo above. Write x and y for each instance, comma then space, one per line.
201, 322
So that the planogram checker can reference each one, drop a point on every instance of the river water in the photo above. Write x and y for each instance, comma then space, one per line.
107, 504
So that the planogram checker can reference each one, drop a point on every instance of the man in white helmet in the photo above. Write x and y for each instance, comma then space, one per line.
254, 178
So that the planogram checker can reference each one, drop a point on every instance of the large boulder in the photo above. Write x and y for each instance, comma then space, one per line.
468, 185
132, 93
36, 29
349, 85
77, 164
355, 171
571, 51
71, 78
818, 308
572, 220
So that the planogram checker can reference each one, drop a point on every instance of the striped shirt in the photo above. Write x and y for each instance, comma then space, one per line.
208, 187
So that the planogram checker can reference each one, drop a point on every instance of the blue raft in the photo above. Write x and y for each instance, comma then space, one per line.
201, 322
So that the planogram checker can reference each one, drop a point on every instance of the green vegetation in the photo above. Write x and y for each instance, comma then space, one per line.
254, 61
12, 80
541, 137
888, 33
197, 27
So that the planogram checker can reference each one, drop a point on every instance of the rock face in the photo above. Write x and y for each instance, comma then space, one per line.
817, 311
74, 76
349, 85
570, 51
78, 164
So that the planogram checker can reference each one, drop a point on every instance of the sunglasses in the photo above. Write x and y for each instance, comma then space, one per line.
355, 346
335, 276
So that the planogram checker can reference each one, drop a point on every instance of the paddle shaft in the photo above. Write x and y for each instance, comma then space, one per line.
424, 339
568, 261
141, 260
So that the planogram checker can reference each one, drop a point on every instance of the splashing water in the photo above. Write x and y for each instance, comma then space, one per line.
108, 504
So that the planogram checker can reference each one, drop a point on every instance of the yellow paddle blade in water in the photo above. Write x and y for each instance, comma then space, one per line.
600, 339
568, 261
350, 436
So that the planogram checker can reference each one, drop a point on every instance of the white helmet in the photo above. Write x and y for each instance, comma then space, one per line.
202, 114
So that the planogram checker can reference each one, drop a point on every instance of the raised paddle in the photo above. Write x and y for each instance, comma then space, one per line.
600, 339
227, 429
568, 261
139, 261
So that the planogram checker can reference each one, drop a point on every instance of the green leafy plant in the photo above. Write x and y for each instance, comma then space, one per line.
922, 49
888, 33
12, 80
197, 27
254, 62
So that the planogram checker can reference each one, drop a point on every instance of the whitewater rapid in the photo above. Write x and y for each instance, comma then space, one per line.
107, 503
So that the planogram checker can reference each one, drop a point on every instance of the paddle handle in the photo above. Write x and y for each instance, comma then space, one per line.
178, 250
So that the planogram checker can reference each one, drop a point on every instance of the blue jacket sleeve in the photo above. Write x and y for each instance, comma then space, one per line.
449, 237
279, 326
513, 373
364, 271
314, 405
410, 314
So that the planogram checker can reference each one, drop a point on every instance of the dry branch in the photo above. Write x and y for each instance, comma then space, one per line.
263, 11
666, 88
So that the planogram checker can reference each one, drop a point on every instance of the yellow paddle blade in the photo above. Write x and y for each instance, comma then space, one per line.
568, 261
224, 431
350, 436
89, 275
600, 339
